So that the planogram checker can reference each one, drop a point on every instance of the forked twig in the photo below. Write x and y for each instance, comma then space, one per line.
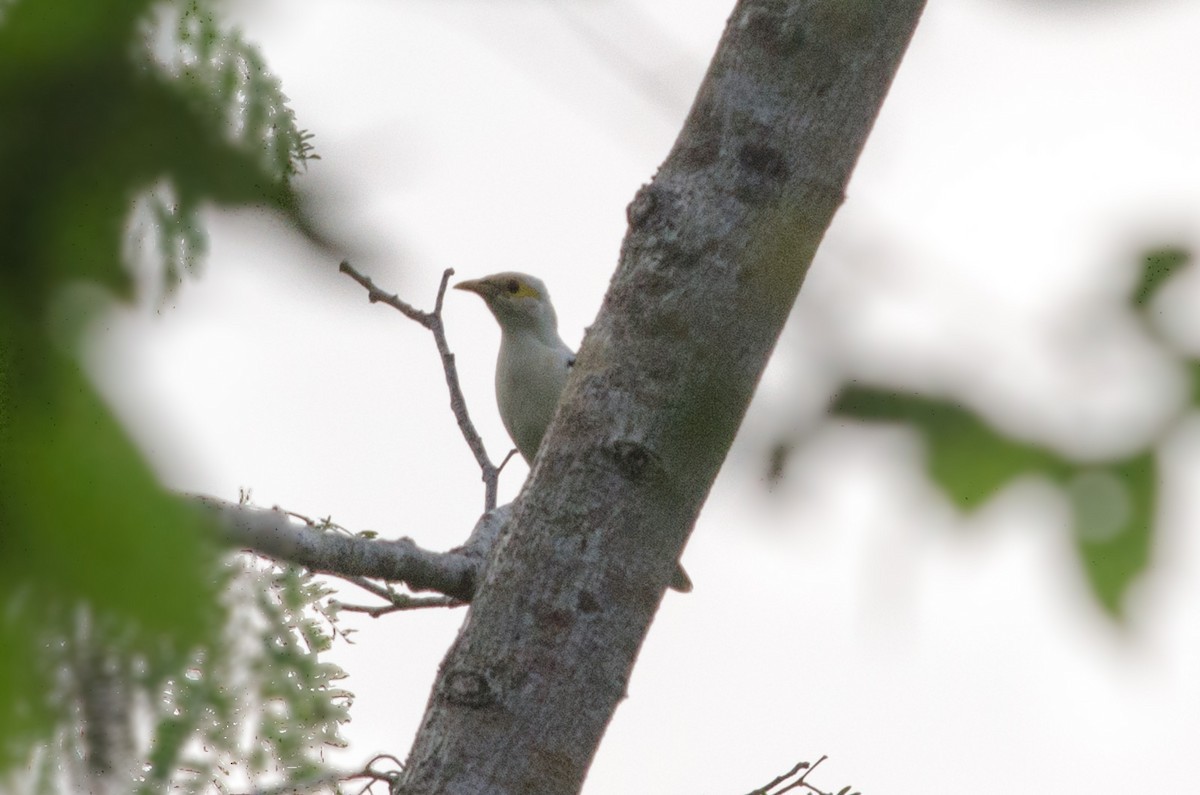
769, 788
490, 473
396, 602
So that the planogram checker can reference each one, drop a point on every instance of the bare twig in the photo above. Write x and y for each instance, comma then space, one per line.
765, 790
396, 601
400, 602
490, 473
769, 789
375, 295
507, 458
369, 771
382, 591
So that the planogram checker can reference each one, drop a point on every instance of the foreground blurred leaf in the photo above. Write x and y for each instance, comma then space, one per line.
92, 121
105, 103
1113, 506
86, 523
967, 458
1114, 524
1158, 266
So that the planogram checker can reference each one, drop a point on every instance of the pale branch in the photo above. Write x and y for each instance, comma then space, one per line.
276, 534
490, 473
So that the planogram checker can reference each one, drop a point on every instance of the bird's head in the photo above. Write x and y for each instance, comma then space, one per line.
518, 300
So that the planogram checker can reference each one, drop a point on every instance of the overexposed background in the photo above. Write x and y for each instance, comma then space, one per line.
1026, 153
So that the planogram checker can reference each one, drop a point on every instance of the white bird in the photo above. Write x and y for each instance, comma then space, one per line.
533, 364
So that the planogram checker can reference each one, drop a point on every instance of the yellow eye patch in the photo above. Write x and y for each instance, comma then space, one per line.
518, 288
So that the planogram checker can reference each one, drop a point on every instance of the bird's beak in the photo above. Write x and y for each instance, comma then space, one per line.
478, 286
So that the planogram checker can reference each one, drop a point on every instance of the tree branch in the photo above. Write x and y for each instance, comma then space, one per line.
489, 472
284, 537
801, 781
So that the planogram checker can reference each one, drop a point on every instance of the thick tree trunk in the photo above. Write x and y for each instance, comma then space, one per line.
717, 247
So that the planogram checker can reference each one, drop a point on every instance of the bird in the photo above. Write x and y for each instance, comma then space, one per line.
533, 363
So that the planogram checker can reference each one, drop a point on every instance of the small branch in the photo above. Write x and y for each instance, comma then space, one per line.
278, 535
375, 296
320, 780
401, 602
490, 473
507, 458
362, 582
769, 789
764, 790
396, 602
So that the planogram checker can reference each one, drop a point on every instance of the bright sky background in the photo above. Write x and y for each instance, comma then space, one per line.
1020, 161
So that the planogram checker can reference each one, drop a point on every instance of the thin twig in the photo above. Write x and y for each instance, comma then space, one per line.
396, 602
383, 592
375, 295
763, 790
798, 783
400, 602
333, 777
490, 473
375, 776
507, 458
458, 404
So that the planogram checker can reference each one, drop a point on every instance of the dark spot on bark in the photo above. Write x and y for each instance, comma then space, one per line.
763, 161
636, 462
587, 603
468, 689
764, 172
557, 619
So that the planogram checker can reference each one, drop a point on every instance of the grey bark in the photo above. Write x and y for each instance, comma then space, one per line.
717, 247
278, 535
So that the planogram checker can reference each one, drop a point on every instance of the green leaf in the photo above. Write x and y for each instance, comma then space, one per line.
92, 123
1158, 265
98, 122
967, 458
86, 523
1113, 505
1114, 527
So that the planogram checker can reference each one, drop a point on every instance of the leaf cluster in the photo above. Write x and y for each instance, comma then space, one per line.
1114, 503
119, 115
254, 706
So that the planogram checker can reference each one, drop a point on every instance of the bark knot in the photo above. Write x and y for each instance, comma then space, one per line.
468, 689
636, 462
642, 207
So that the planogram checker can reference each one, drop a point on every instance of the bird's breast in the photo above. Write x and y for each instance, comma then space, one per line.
529, 381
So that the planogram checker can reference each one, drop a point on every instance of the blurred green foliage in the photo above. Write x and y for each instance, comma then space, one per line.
1114, 504
261, 703
108, 106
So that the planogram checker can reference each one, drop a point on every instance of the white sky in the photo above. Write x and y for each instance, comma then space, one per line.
853, 613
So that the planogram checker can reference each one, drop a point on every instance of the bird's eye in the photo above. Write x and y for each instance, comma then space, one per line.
512, 285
